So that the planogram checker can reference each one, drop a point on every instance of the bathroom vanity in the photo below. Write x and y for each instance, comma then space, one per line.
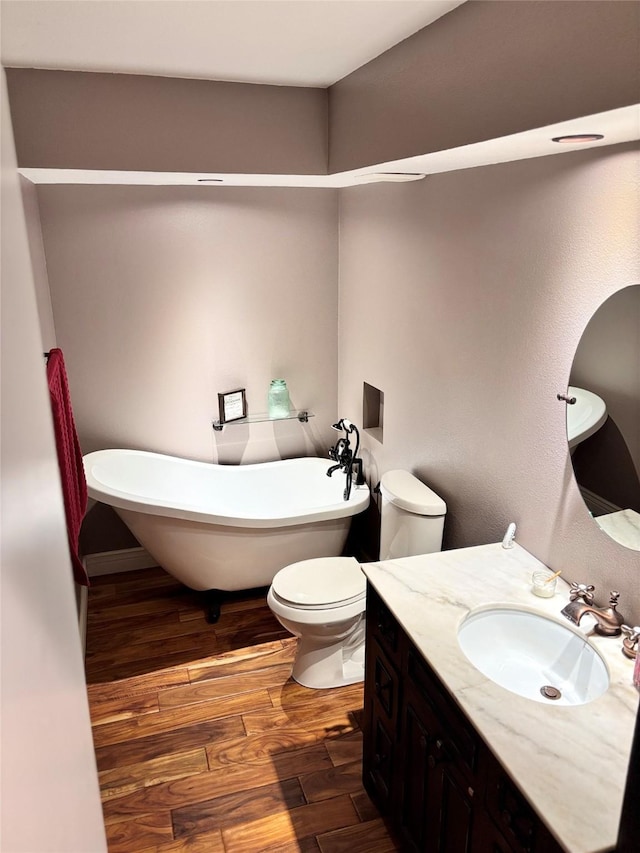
458, 763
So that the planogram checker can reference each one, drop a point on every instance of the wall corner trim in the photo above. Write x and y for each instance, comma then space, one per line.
83, 608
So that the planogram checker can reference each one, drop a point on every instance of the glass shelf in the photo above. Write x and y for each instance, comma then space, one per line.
301, 415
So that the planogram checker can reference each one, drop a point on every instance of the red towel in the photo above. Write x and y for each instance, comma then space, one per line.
74, 484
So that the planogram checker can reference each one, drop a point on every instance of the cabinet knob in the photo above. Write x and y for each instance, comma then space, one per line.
506, 816
441, 754
422, 741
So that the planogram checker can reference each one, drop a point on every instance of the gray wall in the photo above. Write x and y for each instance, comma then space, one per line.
463, 298
38, 263
165, 296
485, 70
50, 794
76, 120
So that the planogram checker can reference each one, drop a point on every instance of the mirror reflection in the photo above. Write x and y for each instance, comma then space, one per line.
603, 425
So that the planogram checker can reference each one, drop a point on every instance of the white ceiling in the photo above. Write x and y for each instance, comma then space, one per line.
281, 42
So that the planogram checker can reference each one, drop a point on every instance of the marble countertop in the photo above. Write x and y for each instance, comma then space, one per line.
623, 526
569, 761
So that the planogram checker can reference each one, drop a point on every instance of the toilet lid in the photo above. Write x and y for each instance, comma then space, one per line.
321, 582
407, 492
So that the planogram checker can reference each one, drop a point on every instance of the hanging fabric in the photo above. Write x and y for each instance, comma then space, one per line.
74, 485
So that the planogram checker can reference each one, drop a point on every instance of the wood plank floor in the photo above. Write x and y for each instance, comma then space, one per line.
203, 741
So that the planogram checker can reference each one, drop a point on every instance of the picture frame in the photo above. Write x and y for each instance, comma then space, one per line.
232, 405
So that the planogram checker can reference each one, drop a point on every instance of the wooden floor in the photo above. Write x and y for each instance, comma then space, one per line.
203, 741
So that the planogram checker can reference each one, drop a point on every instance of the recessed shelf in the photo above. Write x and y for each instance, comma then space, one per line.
373, 411
301, 415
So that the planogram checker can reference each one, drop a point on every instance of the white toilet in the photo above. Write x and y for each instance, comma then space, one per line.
322, 601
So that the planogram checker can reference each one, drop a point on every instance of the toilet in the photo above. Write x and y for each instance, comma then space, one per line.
322, 601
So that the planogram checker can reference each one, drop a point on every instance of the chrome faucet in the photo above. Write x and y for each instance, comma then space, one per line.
608, 620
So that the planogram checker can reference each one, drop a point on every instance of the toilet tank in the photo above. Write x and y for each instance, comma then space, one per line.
412, 516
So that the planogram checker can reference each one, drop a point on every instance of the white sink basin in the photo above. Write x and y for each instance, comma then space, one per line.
585, 416
533, 656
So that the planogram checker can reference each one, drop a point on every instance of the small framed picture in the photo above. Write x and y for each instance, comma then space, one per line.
232, 405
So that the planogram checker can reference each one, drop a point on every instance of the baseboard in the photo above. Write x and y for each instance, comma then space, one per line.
112, 562
596, 504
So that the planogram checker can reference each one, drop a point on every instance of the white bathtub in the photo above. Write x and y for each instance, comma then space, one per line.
226, 527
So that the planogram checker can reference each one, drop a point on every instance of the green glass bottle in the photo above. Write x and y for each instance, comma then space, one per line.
279, 402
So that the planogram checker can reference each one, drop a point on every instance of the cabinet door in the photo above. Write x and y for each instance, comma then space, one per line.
419, 814
462, 742
486, 838
514, 817
424, 764
457, 812
382, 625
380, 726
379, 766
437, 809
386, 691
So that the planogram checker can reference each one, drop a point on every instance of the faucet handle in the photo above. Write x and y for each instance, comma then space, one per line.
616, 618
583, 591
630, 642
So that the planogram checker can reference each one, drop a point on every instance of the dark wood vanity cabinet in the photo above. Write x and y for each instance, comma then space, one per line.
425, 766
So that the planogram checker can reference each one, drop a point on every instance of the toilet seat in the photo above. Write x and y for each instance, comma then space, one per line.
320, 584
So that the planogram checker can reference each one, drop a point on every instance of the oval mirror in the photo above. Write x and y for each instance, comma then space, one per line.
603, 425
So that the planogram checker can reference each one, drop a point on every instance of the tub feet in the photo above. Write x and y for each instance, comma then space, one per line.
213, 599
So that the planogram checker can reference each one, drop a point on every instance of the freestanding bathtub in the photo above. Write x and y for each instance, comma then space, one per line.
226, 527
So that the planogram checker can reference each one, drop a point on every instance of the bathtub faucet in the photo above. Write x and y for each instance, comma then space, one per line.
347, 459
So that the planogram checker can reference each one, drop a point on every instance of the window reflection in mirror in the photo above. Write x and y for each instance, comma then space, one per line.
606, 462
